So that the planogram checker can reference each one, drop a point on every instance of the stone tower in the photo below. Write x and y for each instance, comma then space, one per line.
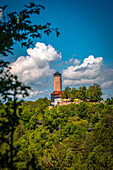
57, 82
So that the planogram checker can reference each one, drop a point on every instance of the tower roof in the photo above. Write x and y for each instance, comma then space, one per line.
57, 74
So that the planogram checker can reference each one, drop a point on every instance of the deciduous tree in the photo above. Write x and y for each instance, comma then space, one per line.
10, 90
94, 93
18, 27
81, 94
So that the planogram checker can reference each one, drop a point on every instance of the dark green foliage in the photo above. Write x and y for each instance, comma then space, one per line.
10, 89
32, 112
73, 94
82, 110
82, 93
95, 119
18, 27
66, 93
98, 149
93, 93
62, 140
109, 101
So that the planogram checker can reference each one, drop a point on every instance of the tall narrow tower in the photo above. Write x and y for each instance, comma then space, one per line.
57, 82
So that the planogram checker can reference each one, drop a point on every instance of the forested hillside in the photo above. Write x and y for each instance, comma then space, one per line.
65, 137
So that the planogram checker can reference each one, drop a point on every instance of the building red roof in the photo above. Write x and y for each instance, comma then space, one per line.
57, 92
60, 95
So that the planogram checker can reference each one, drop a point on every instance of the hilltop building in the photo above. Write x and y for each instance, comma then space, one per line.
57, 83
57, 93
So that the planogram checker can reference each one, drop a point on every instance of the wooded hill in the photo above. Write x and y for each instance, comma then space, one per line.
92, 93
65, 137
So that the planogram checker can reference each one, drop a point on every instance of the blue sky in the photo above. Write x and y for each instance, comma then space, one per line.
86, 29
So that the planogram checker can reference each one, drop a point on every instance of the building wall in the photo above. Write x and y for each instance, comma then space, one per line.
57, 83
55, 97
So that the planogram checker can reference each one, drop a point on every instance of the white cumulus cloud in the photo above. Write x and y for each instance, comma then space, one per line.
76, 62
72, 61
37, 94
107, 84
91, 71
37, 64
